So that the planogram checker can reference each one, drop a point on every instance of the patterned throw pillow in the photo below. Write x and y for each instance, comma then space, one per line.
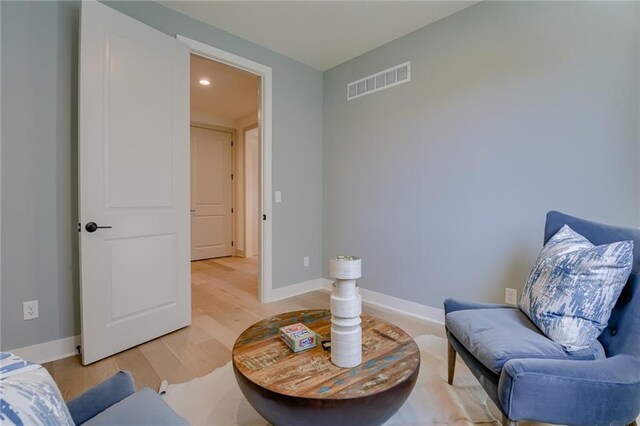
28, 394
574, 286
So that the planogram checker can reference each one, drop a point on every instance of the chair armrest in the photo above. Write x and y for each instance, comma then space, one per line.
102, 396
605, 391
452, 305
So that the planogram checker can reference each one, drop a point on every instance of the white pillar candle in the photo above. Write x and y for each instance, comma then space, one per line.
346, 307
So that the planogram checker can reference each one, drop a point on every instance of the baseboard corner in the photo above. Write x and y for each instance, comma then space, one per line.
49, 351
295, 289
395, 304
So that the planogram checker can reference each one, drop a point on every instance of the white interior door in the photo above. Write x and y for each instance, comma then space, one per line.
211, 189
134, 175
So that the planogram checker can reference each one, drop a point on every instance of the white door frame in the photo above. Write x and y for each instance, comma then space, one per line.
264, 124
246, 214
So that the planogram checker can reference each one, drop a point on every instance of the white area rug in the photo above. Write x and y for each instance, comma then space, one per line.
216, 399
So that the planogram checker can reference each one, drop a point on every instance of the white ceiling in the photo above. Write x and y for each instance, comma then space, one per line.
321, 34
232, 94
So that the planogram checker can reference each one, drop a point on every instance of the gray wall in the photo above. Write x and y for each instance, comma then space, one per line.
514, 108
440, 184
39, 155
39, 160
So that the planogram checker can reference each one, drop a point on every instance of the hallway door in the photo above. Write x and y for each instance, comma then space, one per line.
211, 189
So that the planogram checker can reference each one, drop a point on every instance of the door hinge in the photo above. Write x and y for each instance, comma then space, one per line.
231, 243
264, 217
231, 209
231, 176
79, 227
231, 143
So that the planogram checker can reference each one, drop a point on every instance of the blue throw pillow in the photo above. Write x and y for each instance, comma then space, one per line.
573, 287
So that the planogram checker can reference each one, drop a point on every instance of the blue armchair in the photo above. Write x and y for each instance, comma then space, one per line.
116, 402
530, 377
29, 395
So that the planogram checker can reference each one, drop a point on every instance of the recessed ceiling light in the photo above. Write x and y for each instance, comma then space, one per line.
205, 82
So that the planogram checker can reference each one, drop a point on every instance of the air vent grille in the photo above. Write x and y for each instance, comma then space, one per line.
381, 80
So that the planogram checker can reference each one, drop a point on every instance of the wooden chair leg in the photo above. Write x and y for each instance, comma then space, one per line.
506, 421
451, 358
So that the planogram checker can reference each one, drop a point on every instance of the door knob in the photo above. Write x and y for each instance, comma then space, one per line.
92, 227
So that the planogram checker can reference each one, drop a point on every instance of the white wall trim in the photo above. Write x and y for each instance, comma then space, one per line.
265, 119
62, 348
396, 304
49, 351
296, 289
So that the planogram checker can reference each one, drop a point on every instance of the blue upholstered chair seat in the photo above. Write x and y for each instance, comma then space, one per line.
494, 336
145, 407
116, 402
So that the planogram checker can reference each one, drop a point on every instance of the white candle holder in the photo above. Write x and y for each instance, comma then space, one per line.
346, 307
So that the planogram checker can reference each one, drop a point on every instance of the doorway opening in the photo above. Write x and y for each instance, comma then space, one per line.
264, 128
224, 177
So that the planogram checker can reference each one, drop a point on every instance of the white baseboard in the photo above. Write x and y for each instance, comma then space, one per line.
396, 304
62, 348
49, 351
295, 289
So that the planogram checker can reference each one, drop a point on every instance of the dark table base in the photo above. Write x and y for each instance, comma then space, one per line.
282, 410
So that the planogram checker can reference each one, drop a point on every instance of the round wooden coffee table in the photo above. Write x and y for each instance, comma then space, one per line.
305, 388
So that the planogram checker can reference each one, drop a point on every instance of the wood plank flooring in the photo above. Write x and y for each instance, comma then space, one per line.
224, 303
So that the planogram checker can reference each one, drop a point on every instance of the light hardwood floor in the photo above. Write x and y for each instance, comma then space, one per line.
224, 303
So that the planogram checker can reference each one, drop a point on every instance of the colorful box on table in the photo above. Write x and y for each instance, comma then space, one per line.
298, 337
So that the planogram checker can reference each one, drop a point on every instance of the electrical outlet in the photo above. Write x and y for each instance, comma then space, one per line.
306, 261
510, 296
30, 310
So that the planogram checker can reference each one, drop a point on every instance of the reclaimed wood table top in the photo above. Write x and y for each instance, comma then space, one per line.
389, 357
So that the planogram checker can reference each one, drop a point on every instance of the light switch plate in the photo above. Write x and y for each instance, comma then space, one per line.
278, 196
